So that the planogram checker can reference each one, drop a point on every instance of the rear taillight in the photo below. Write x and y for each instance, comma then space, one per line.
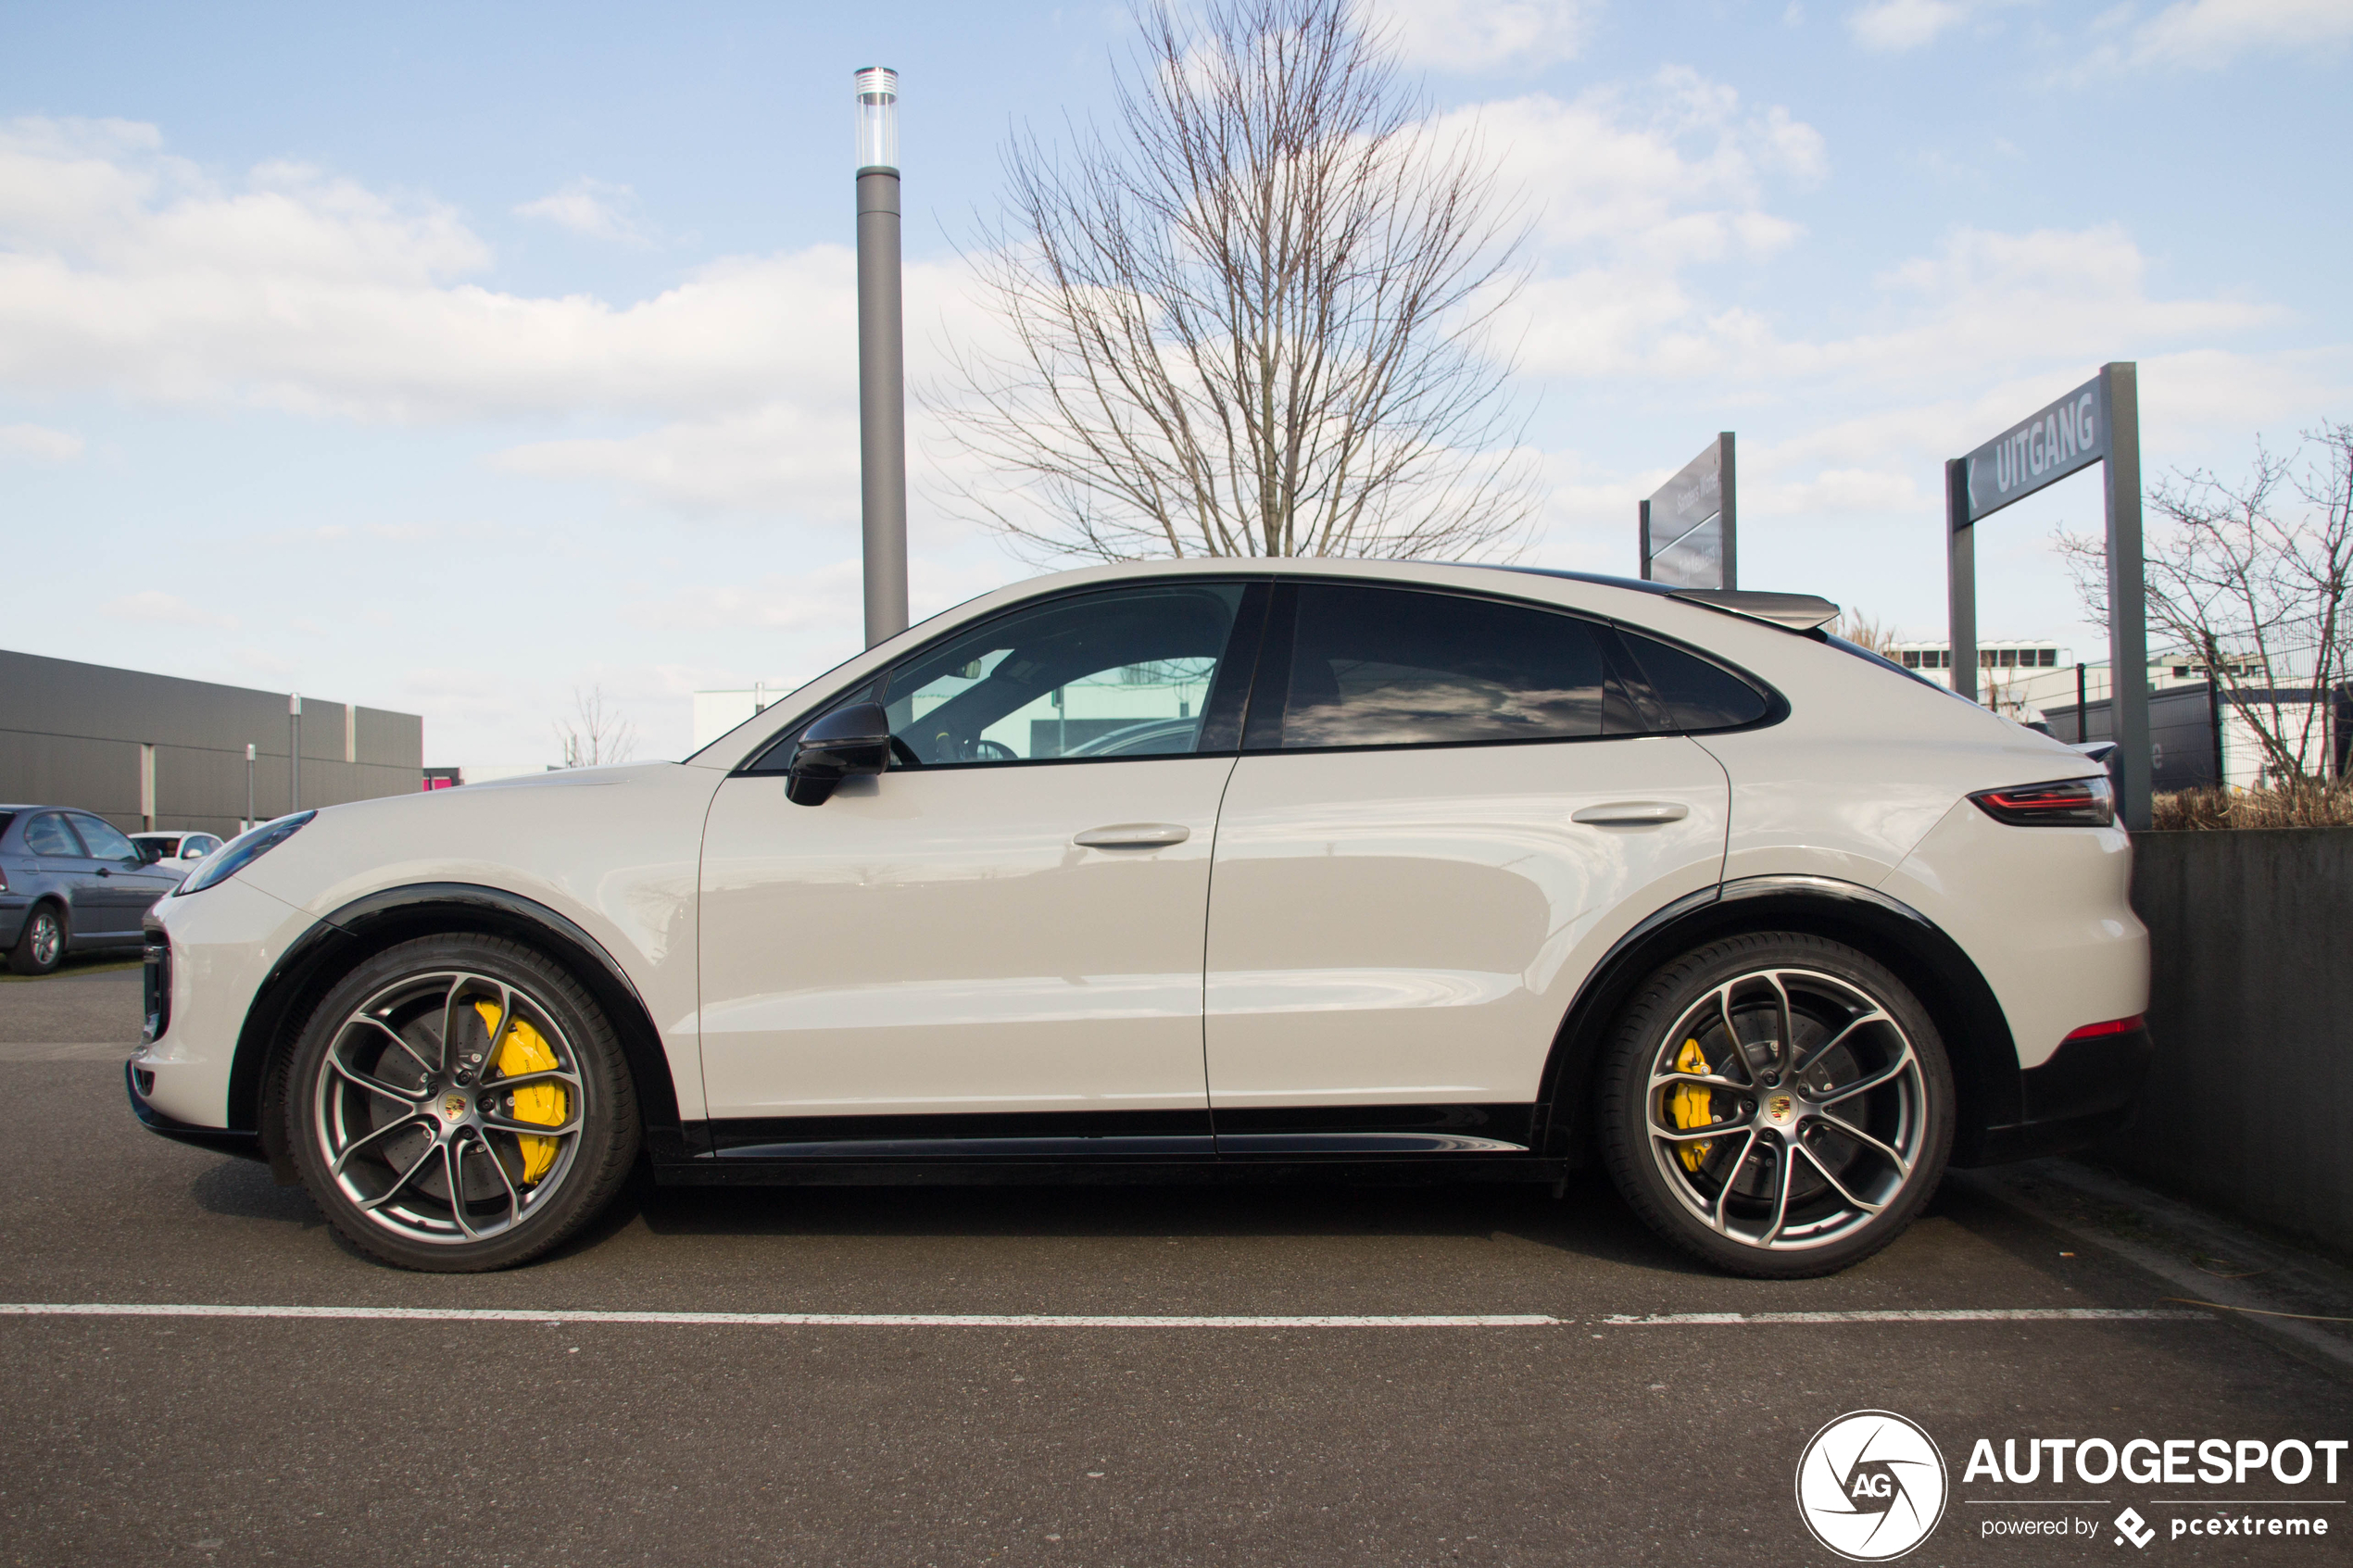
2113, 1026
2070, 803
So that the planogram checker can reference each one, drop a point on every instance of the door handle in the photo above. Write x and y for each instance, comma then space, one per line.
1134, 835
1633, 813
103, 871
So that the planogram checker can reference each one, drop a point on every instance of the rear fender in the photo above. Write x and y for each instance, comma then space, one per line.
1977, 1037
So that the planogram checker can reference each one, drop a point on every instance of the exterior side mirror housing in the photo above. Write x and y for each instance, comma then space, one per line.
851, 741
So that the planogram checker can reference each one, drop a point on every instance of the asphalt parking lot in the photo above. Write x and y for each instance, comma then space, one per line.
1580, 1440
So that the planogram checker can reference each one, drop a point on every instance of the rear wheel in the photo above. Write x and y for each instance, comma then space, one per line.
459, 1103
1779, 1105
40, 947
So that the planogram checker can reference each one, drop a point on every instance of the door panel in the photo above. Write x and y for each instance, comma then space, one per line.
120, 882
936, 942
1408, 927
69, 870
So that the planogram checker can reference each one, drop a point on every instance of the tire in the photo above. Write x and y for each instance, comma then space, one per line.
1818, 1169
385, 1126
41, 946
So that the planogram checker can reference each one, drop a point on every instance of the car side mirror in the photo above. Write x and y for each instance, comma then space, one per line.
842, 744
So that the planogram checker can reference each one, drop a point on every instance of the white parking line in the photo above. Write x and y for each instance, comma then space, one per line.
766, 1320
1058, 1320
1919, 1315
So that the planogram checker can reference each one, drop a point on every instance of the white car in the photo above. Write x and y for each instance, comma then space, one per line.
175, 851
1391, 871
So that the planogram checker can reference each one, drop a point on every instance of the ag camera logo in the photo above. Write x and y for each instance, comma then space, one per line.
1871, 1486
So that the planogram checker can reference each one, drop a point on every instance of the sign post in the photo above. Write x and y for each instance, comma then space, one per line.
1685, 530
2097, 422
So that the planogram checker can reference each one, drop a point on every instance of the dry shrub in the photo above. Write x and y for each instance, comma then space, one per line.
2314, 805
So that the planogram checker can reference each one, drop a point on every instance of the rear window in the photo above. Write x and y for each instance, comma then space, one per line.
1696, 693
6, 818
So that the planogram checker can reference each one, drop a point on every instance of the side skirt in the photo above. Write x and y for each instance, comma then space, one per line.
1436, 1143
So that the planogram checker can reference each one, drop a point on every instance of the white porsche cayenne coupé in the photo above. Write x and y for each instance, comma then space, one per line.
1200, 870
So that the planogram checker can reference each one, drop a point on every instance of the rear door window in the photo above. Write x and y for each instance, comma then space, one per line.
1380, 666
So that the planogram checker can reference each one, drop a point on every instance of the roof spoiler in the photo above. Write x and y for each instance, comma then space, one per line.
1798, 612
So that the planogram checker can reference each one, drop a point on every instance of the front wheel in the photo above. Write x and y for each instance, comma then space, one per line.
459, 1103
1779, 1105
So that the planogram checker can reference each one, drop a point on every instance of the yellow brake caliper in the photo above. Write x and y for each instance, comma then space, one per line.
523, 1052
1691, 1105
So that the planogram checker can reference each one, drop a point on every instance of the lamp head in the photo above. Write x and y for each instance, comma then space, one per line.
878, 117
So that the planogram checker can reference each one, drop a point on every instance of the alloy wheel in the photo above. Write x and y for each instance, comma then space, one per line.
1786, 1109
448, 1107
48, 939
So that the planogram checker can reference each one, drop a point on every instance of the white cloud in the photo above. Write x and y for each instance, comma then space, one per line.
1987, 304
1896, 25
125, 270
155, 606
1673, 170
1470, 35
778, 457
828, 601
594, 208
2209, 33
39, 441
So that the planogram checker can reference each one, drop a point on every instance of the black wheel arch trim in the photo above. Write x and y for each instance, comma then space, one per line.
1977, 1035
312, 963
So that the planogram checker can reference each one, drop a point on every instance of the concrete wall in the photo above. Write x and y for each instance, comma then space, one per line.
2249, 1104
155, 751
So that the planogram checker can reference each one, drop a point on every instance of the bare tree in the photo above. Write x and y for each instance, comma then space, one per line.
595, 733
1254, 319
2251, 579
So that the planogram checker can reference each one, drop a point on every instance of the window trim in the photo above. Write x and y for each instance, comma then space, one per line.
1245, 642
1262, 733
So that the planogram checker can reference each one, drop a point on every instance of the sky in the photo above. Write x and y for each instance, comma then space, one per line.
457, 359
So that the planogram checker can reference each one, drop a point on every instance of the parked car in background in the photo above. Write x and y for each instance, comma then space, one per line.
175, 851
70, 882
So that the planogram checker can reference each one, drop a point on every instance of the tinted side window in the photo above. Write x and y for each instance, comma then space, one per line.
1399, 667
1697, 695
47, 834
106, 842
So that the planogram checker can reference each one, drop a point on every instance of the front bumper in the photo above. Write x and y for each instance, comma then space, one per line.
222, 943
221, 1140
2087, 1089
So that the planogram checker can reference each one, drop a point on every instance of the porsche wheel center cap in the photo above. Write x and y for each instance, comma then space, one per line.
1780, 1110
453, 1107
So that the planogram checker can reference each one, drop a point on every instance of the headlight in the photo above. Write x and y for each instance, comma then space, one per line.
243, 852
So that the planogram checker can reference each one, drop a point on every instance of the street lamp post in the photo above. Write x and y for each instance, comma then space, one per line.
248, 826
882, 369
294, 752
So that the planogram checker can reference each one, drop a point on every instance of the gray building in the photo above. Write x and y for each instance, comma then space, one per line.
155, 751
